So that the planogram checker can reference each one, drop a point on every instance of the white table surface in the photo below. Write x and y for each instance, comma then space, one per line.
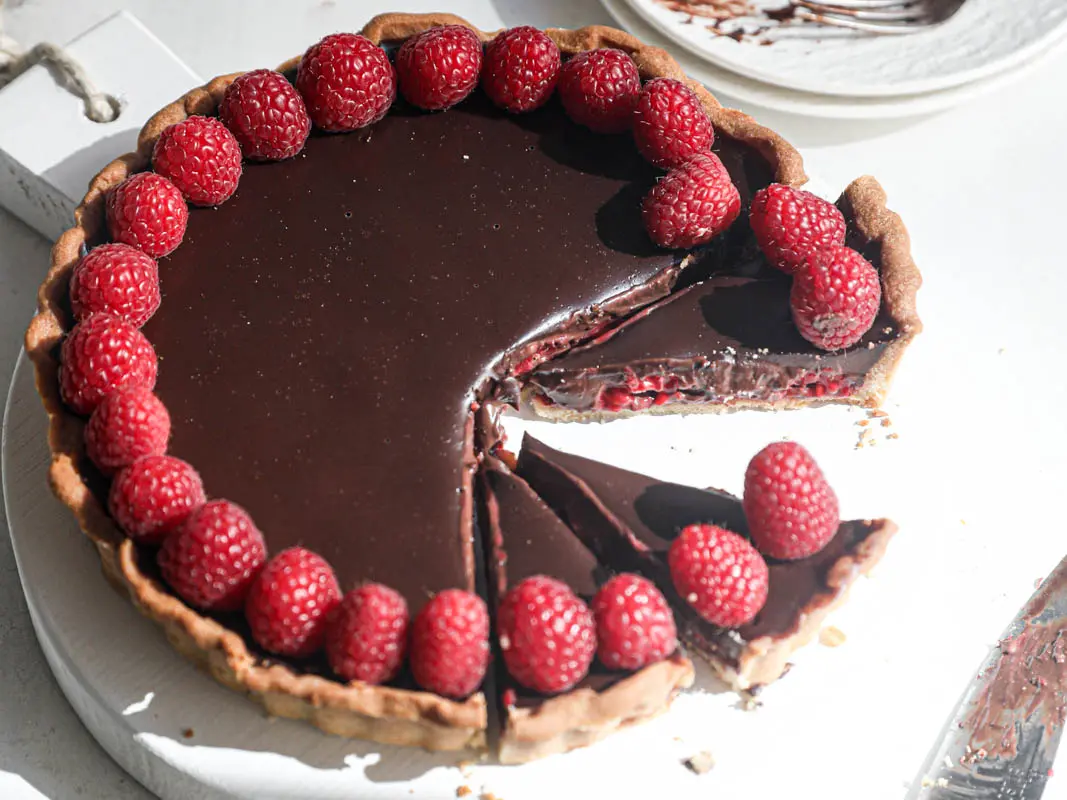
981, 188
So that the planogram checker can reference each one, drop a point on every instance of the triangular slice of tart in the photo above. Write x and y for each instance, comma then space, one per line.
730, 341
629, 521
526, 539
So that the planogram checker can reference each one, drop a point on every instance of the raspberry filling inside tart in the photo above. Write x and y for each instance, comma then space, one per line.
729, 338
629, 521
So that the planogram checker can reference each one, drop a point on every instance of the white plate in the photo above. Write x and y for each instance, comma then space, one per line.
747, 91
986, 37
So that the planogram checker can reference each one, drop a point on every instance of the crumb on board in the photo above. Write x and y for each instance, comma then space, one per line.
188, 733
831, 636
700, 763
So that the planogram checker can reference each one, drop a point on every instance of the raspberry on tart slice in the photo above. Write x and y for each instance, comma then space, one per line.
634, 625
450, 643
439, 67
115, 279
835, 298
367, 637
732, 341
527, 539
632, 522
693, 204
670, 123
347, 82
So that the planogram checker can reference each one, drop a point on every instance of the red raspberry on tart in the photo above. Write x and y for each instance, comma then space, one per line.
439, 67
100, 356
692, 205
266, 115
290, 603
599, 89
634, 625
213, 558
791, 224
152, 497
148, 212
367, 637
115, 279
521, 69
670, 123
200, 156
347, 82
450, 643
547, 634
719, 573
835, 297
126, 426
791, 510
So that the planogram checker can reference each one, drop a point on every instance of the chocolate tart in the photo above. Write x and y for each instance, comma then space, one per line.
331, 327
526, 538
729, 341
629, 521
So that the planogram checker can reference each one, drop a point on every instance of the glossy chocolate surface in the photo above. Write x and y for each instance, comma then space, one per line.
731, 335
323, 333
629, 520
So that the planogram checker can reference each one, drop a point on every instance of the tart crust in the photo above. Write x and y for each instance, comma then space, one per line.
864, 205
383, 714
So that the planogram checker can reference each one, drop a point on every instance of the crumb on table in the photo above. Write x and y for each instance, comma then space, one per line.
831, 636
700, 763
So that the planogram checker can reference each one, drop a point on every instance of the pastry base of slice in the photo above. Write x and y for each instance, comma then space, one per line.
729, 342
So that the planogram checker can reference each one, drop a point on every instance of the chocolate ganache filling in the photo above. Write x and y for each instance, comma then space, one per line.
324, 334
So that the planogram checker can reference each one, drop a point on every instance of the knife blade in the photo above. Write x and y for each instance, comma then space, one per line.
1001, 739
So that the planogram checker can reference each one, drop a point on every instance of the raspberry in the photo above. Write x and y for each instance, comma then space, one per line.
450, 643
100, 356
521, 69
346, 81
290, 603
791, 510
153, 496
693, 204
634, 625
115, 279
790, 224
719, 573
126, 426
670, 123
368, 634
599, 88
547, 634
835, 297
266, 115
439, 67
148, 212
200, 156
213, 558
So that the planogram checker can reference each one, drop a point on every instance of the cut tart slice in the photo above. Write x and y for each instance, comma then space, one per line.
629, 521
730, 340
526, 539
329, 327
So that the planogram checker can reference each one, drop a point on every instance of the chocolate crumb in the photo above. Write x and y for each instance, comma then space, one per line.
831, 636
701, 763
464, 791
188, 733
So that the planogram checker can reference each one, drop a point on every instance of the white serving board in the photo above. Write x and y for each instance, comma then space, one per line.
863, 714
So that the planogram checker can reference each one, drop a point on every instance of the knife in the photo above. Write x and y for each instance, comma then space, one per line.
1001, 740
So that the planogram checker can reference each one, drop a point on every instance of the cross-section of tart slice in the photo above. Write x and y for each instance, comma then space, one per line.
630, 521
731, 340
527, 539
